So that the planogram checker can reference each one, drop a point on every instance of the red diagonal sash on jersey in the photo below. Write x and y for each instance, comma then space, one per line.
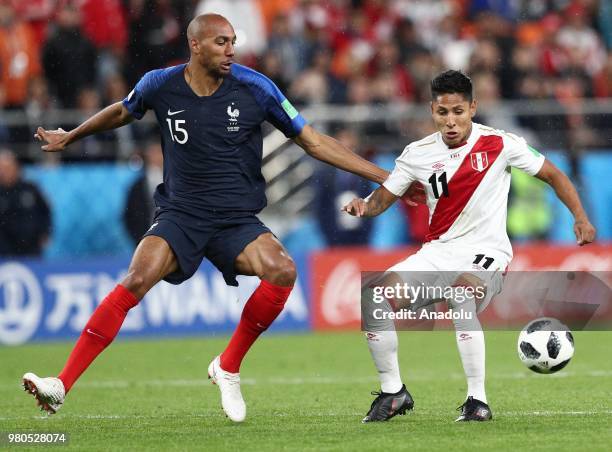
462, 185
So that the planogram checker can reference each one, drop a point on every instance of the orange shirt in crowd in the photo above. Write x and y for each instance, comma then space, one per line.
272, 8
19, 61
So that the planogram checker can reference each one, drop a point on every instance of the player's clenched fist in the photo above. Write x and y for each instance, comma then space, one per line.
357, 207
585, 232
56, 140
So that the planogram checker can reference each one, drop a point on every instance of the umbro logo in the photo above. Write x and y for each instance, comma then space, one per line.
172, 113
152, 226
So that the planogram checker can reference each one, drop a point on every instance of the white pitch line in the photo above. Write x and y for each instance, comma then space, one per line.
322, 380
502, 414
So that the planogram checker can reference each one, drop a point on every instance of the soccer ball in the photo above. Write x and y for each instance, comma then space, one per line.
545, 345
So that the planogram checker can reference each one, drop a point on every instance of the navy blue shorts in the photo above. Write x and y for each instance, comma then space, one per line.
220, 239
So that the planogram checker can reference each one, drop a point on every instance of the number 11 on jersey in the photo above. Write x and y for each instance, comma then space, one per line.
434, 184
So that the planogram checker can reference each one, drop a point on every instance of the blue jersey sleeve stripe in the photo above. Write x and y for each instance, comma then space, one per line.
278, 109
141, 98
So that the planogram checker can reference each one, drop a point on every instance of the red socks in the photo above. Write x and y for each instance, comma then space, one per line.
264, 305
99, 332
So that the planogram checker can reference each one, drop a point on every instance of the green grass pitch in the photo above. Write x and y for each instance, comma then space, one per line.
309, 392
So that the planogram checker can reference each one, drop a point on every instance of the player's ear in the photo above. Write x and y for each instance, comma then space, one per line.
473, 107
194, 45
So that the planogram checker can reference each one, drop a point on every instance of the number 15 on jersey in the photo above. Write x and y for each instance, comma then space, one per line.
177, 133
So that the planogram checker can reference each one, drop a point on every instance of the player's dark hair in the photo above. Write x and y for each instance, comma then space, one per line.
452, 82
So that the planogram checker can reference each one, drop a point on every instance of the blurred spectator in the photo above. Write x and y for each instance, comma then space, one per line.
317, 84
40, 111
272, 9
246, 18
423, 66
580, 39
602, 83
358, 91
497, 34
406, 40
426, 16
271, 66
115, 90
605, 22
492, 112
101, 146
19, 56
139, 208
335, 188
38, 13
570, 90
156, 39
69, 58
25, 218
391, 82
289, 47
104, 23
529, 212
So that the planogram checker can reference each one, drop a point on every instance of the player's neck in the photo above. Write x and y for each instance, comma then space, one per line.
201, 82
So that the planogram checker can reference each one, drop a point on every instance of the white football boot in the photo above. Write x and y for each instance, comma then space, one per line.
229, 385
49, 392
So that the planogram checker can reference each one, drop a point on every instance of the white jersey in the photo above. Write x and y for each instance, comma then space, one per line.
467, 186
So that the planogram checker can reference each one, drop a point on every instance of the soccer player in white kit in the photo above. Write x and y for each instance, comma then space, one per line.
465, 170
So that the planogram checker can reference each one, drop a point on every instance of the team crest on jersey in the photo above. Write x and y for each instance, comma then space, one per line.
233, 114
480, 162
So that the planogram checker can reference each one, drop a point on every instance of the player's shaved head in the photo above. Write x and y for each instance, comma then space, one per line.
205, 24
211, 39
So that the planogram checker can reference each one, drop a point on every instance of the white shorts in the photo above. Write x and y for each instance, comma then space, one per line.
441, 264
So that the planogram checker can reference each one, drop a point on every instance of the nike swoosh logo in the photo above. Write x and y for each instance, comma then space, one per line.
172, 113
95, 334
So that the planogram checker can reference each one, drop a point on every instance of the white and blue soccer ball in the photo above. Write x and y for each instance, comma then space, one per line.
545, 345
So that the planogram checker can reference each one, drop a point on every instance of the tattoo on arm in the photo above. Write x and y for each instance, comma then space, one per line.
379, 201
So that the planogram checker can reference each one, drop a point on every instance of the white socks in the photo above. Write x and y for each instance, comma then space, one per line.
471, 345
383, 347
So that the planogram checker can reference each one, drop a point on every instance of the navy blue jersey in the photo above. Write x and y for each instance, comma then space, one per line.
213, 144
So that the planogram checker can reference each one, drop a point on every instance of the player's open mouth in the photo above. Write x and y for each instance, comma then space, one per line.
226, 65
452, 135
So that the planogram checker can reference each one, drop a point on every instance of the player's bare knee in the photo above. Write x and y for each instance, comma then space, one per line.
136, 283
280, 271
476, 285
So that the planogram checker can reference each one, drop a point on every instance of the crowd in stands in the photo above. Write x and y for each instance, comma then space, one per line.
85, 54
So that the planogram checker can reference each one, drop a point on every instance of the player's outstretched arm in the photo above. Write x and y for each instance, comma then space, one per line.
112, 117
330, 150
375, 204
566, 192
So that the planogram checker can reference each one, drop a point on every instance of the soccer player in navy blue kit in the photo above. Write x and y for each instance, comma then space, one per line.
210, 112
